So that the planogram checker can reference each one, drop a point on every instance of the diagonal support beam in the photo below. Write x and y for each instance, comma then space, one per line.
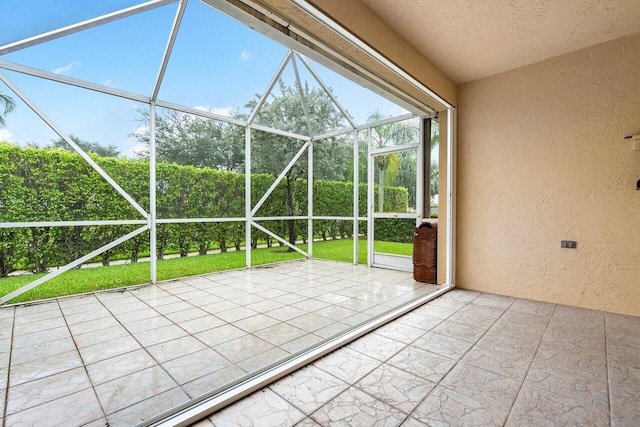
64, 136
71, 265
305, 109
90, 23
167, 52
272, 83
278, 238
279, 178
326, 89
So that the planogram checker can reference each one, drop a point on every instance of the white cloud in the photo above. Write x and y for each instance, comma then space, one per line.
134, 151
108, 83
142, 130
245, 56
221, 111
66, 68
6, 135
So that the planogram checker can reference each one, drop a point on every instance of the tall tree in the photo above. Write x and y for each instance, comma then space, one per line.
192, 140
284, 110
87, 147
6, 106
390, 134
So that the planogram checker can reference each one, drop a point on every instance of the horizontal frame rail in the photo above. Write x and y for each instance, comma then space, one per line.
71, 223
72, 265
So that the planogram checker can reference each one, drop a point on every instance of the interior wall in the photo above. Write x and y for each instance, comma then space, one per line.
542, 158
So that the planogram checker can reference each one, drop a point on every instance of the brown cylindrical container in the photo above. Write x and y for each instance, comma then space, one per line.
425, 253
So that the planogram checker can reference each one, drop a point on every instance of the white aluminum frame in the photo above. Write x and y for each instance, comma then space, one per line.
150, 222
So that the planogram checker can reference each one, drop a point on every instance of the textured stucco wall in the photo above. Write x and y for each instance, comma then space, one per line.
541, 158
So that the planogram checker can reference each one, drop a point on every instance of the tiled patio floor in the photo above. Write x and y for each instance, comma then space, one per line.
121, 357
465, 358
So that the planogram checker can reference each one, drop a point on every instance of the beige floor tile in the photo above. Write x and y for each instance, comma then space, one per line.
309, 388
100, 336
430, 366
40, 337
40, 325
148, 408
42, 350
356, 408
255, 323
301, 343
216, 336
173, 349
119, 366
399, 332
263, 359
444, 407
141, 325
540, 407
377, 346
195, 365
395, 387
212, 381
109, 349
243, 348
159, 335
73, 409
38, 392
133, 388
40, 368
460, 331
285, 313
262, 408
185, 315
93, 325
280, 333
443, 345
347, 364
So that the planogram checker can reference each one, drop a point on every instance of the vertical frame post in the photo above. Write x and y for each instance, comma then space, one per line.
247, 195
426, 161
152, 194
420, 174
370, 202
356, 195
451, 189
310, 199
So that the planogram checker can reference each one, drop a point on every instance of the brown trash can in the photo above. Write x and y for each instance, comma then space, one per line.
425, 253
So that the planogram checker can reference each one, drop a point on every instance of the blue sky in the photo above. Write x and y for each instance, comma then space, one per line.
217, 63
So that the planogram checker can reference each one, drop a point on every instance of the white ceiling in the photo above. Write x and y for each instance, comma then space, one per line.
472, 39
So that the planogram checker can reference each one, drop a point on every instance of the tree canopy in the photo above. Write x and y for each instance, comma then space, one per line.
86, 146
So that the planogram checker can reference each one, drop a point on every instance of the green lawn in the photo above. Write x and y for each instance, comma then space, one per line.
100, 278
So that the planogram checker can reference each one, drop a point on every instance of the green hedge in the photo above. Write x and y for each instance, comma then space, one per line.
56, 185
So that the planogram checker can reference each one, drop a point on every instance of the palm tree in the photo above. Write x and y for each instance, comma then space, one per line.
8, 104
390, 134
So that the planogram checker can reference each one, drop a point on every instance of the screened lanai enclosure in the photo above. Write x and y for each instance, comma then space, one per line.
194, 202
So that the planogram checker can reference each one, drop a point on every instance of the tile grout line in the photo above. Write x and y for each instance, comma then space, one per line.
6, 395
350, 385
407, 414
461, 357
143, 348
84, 365
555, 308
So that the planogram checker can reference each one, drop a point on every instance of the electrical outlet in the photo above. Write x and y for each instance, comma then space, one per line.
569, 244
